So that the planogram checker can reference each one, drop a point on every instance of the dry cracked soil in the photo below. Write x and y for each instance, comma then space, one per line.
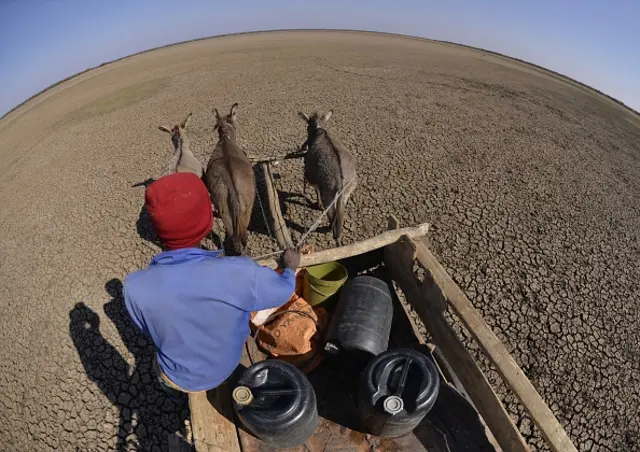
531, 183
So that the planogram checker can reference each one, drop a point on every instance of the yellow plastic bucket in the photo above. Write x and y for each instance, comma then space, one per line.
322, 281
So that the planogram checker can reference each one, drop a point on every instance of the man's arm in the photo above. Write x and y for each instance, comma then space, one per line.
133, 311
273, 289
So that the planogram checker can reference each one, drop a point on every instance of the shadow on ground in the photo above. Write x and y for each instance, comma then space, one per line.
144, 228
285, 198
148, 417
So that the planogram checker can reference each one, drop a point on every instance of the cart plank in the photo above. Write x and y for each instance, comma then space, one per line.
212, 421
279, 226
399, 257
362, 247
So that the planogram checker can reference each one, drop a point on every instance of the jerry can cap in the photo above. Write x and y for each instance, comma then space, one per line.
242, 395
393, 405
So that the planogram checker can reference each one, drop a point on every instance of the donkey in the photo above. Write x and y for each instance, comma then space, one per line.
183, 160
231, 182
330, 168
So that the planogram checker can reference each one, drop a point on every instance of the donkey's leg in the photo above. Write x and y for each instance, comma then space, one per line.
240, 241
336, 220
319, 204
341, 206
245, 219
349, 190
305, 182
219, 199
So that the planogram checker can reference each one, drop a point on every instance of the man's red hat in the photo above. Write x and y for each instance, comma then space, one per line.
180, 210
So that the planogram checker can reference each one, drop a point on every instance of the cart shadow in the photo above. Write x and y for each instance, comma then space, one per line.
452, 425
146, 411
335, 383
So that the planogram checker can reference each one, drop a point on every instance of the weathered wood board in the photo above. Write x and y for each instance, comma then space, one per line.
213, 422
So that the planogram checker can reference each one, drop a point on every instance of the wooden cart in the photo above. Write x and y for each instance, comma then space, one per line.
401, 256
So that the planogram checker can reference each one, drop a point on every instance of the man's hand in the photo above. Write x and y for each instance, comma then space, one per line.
290, 259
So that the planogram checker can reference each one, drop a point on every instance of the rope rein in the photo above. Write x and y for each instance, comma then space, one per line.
313, 227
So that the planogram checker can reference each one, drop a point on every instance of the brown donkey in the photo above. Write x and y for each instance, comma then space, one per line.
330, 168
183, 160
231, 182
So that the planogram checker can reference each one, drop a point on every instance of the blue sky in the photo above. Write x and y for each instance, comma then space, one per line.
594, 42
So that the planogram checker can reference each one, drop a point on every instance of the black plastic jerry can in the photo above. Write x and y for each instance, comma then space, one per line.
397, 390
362, 320
276, 402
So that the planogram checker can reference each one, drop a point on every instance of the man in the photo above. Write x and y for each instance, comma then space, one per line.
195, 304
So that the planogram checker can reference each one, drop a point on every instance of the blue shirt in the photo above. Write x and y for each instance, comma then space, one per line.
195, 305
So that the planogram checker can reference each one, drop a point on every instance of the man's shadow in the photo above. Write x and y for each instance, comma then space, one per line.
146, 411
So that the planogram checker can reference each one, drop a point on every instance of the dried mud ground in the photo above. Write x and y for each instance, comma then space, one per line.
531, 183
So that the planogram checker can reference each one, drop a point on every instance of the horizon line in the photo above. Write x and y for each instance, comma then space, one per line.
204, 38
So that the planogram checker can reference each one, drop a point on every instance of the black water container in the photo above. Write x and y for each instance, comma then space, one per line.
397, 390
276, 402
362, 320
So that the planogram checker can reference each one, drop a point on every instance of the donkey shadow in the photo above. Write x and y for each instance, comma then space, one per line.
285, 199
148, 415
300, 199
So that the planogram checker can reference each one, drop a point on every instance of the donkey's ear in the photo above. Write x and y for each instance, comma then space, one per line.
303, 116
186, 121
327, 116
165, 129
215, 112
233, 111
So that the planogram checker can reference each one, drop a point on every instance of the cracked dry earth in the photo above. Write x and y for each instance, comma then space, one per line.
530, 181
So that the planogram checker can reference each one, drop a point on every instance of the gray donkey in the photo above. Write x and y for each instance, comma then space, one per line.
328, 167
231, 182
183, 160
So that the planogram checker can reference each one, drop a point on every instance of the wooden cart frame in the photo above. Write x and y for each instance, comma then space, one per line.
404, 251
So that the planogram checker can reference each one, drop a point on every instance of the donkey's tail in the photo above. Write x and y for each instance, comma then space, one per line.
235, 211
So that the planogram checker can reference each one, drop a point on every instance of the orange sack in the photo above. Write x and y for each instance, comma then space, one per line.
294, 331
